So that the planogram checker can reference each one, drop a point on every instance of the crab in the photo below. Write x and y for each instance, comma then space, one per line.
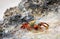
39, 26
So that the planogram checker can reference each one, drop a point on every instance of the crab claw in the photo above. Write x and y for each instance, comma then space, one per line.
43, 25
26, 26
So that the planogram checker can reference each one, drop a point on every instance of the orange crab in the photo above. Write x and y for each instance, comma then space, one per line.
35, 26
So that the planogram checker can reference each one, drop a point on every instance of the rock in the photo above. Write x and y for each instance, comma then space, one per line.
26, 11
15, 19
36, 7
11, 11
27, 18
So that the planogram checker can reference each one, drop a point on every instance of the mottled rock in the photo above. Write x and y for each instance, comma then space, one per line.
38, 7
11, 11
28, 10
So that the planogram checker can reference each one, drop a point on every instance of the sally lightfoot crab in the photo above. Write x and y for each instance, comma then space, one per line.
40, 26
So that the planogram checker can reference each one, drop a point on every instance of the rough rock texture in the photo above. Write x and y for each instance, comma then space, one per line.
12, 11
39, 7
40, 10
